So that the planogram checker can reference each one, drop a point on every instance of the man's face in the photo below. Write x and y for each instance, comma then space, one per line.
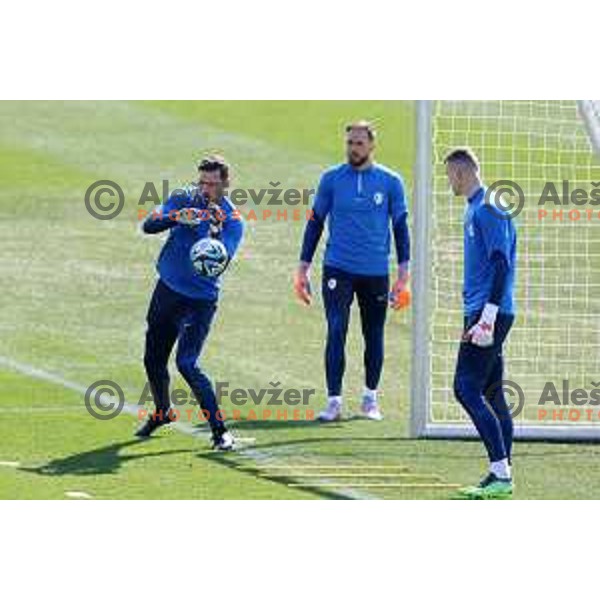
211, 185
455, 173
358, 147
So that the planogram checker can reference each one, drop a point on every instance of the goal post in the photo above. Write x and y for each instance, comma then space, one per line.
556, 335
420, 378
589, 111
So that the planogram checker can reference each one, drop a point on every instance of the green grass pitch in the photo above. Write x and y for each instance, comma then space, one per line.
75, 292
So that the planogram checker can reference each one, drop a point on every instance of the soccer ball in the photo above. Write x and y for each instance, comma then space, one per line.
209, 257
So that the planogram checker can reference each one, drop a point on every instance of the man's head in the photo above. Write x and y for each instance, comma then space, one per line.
462, 168
213, 178
360, 143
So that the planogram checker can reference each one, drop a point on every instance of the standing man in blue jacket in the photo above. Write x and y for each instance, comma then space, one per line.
490, 260
184, 302
358, 199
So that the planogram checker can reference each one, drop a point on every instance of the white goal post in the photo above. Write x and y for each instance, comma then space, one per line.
556, 336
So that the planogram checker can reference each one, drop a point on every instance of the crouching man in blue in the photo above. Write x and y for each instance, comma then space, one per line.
490, 254
184, 302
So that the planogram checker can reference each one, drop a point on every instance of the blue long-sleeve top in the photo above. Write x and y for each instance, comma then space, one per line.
359, 206
174, 265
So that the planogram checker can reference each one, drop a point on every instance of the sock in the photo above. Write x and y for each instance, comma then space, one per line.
501, 469
337, 399
370, 394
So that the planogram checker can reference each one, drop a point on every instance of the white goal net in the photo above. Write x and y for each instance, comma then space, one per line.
539, 145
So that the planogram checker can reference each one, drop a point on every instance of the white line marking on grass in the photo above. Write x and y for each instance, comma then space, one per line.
360, 475
358, 484
259, 456
78, 495
59, 409
400, 468
10, 463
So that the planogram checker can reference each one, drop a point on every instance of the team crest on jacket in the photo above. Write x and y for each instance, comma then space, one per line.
378, 198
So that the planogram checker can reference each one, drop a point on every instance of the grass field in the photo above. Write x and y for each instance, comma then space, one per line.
75, 293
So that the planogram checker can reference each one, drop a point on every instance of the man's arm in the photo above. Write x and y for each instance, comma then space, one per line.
495, 232
158, 221
232, 233
500, 279
168, 215
312, 235
400, 296
402, 241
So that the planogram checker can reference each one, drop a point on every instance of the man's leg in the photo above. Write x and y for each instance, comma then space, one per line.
338, 294
493, 390
194, 328
372, 293
473, 370
161, 335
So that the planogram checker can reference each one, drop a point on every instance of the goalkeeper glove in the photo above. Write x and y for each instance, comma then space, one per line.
302, 286
482, 333
190, 217
400, 294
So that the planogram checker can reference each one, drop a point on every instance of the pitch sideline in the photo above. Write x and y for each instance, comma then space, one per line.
259, 456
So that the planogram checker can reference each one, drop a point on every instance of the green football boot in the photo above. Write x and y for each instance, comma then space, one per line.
490, 488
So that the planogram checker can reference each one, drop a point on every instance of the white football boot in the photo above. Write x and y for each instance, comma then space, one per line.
370, 408
224, 442
333, 411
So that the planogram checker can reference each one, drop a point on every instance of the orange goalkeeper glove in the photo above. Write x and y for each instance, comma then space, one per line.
400, 295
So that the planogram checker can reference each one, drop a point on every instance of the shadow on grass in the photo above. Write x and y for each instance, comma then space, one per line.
418, 448
275, 425
228, 460
100, 461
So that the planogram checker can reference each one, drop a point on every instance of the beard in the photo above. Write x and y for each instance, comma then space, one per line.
357, 161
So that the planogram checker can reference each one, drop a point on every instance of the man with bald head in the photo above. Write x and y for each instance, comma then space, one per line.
490, 251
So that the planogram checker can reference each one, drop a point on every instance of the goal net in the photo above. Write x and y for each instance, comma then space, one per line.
554, 346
